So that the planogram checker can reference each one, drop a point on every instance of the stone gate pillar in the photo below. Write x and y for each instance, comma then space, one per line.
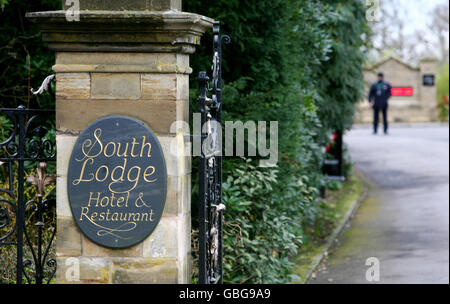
128, 58
428, 93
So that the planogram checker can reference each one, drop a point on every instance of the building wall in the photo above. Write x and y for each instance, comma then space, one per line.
417, 108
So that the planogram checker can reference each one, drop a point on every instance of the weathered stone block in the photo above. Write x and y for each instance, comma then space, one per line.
171, 238
91, 270
64, 146
62, 199
68, 237
116, 86
122, 62
163, 242
178, 195
183, 113
159, 87
165, 87
73, 85
145, 271
188, 269
131, 5
90, 249
185, 276
178, 160
184, 241
76, 115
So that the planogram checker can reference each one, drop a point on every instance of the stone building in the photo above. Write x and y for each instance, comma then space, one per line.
414, 91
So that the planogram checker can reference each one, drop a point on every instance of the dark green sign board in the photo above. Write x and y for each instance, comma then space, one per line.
117, 182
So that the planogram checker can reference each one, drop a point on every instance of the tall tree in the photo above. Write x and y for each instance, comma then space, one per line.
440, 26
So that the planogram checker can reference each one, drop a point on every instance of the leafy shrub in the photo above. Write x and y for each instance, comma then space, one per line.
8, 253
443, 93
23, 54
261, 232
299, 63
443, 109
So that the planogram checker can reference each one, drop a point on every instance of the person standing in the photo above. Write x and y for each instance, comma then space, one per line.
379, 95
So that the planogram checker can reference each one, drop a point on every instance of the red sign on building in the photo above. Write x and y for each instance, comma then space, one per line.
397, 91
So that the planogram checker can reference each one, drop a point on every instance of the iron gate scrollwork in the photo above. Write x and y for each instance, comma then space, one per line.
210, 168
28, 145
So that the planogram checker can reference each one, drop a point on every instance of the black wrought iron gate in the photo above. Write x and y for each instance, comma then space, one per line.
210, 168
28, 216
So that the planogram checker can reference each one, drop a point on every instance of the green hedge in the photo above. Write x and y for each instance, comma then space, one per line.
442, 92
23, 54
299, 63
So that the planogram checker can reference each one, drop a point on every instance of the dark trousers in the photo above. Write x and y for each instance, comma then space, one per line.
376, 114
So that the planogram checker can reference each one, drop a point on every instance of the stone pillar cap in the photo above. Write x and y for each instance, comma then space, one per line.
132, 5
122, 31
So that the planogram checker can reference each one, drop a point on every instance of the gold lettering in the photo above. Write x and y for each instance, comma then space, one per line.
94, 216
103, 199
84, 212
88, 143
146, 217
76, 182
106, 148
107, 215
120, 200
112, 199
149, 174
134, 180
115, 180
140, 201
90, 199
125, 153
150, 214
123, 217
144, 144
132, 147
106, 174
128, 197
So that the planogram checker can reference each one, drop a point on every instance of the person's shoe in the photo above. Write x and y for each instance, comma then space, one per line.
374, 133
386, 133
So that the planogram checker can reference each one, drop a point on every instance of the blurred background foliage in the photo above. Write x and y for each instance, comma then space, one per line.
23, 55
443, 92
298, 62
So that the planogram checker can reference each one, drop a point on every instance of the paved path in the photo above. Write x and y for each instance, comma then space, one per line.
405, 220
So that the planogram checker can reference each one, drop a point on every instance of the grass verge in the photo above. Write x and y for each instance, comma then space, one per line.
339, 206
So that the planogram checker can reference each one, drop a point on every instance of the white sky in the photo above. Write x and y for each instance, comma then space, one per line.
416, 16
417, 13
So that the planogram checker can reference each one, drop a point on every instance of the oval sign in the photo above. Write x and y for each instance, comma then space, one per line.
117, 182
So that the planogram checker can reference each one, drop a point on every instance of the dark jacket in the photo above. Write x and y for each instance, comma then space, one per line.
380, 92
